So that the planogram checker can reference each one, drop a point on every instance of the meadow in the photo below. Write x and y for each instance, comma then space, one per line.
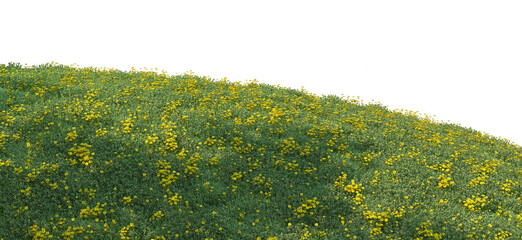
90, 153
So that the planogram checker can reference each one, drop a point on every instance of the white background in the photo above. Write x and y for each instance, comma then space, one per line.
459, 61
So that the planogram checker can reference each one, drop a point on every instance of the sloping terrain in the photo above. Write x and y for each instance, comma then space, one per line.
90, 153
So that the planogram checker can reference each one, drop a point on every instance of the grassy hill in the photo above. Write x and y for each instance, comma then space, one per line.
89, 153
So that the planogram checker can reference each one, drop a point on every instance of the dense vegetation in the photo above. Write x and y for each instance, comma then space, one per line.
88, 153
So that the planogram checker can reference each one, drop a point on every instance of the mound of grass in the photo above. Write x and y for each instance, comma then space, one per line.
89, 153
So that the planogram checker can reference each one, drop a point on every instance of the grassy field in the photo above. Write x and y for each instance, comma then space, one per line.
89, 153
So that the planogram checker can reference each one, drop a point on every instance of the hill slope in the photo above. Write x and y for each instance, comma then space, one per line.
107, 154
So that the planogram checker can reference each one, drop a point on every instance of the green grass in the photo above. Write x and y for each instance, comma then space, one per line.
91, 153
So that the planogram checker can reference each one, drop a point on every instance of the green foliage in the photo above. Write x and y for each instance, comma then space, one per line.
90, 153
